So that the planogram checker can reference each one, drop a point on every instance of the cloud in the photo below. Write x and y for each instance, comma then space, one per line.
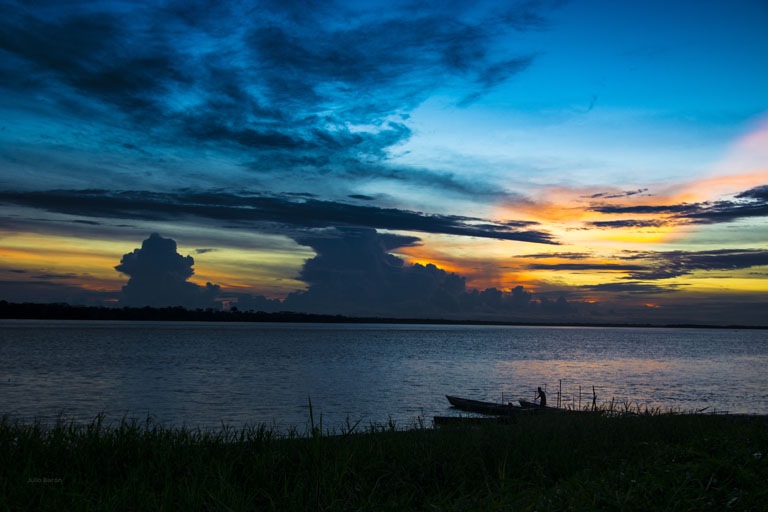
287, 89
584, 266
750, 203
248, 302
757, 193
47, 291
682, 209
564, 255
609, 195
248, 210
49, 275
355, 273
629, 223
159, 277
668, 264
632, 287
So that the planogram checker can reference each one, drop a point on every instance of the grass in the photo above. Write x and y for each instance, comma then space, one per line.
541, 462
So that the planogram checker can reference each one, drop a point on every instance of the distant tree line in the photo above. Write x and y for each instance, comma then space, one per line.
64, 311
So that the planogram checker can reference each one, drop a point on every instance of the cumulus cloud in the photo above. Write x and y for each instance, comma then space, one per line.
159, 277
355, 272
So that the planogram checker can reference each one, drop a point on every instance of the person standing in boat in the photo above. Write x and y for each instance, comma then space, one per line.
543, 396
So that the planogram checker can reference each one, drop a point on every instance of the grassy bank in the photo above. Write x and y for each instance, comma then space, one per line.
541, 462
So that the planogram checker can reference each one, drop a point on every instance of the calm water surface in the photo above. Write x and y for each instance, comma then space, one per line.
203, 374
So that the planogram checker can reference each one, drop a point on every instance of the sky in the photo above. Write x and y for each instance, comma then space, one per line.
583, 161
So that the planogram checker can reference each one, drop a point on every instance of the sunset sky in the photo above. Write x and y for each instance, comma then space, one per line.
590, 161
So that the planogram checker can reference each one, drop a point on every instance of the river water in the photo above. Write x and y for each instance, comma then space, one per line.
206, 374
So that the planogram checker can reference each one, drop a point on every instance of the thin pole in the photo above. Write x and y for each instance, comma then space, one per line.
560, 393
579, 396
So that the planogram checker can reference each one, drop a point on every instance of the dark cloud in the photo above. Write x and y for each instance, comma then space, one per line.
159, 277
203, 251
246, 210
632, 287
52, 291
654, 265
750, 203
609, 195
355, 273
316, 88
248, 302
49, 275
758, 193
564, 255
668, 264
683, 209
519, 223
584, 266
361, 197
448, 182
629, 223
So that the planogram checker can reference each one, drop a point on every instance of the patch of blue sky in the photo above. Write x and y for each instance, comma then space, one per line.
649, 91
694, 57
601, 147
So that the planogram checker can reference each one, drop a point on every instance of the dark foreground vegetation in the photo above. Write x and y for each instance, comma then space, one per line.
63, 311
540, 462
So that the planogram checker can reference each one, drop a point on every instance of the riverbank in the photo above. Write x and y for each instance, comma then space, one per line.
540, 462
62, 311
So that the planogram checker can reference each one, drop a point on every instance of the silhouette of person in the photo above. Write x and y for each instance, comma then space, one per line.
543, 396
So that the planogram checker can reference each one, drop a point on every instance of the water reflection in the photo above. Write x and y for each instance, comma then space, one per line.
203, 374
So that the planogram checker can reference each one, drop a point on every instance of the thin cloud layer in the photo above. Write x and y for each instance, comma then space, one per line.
584, 266
247, 210
631, 287
749, 203
668, 264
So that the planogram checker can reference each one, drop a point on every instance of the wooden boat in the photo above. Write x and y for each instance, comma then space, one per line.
525, 405
529, 405
479, 407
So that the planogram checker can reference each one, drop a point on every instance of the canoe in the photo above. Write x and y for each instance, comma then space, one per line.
533, 407
527, 404
479, 407
524, 404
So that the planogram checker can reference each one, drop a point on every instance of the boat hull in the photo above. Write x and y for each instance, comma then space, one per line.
479, 407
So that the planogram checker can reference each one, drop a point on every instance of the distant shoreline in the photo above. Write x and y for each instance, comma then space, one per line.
62, 311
